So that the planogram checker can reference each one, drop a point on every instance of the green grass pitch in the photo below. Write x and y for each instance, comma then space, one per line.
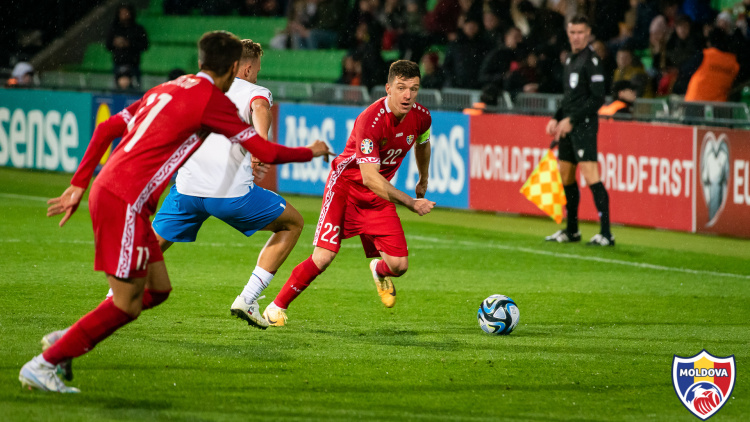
598, 330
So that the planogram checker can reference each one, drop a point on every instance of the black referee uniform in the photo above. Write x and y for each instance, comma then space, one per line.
583, 96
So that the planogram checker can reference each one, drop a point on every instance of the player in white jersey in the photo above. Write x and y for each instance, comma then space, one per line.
218, 180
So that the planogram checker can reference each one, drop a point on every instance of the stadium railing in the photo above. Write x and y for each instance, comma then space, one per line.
674, 110
711, 113
537, 104
340, 94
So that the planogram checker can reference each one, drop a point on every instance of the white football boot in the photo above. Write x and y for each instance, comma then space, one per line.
274, 315
562, 236
249, 313
64, 368
42, 375
602, 240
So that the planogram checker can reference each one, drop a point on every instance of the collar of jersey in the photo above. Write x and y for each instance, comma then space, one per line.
206, 76
387, 109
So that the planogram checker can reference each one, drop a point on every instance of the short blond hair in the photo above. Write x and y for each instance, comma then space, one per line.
251, 50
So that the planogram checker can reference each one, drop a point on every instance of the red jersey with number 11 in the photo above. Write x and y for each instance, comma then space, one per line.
161, 136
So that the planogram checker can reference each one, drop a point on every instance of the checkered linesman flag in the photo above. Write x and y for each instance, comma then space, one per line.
545, 189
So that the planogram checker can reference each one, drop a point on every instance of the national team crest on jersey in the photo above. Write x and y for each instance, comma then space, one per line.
703, 382
573, 80
409, 139
366, 146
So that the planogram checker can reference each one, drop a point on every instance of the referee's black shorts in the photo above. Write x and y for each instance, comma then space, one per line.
580, 144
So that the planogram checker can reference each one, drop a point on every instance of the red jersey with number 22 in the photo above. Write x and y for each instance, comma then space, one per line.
378, 138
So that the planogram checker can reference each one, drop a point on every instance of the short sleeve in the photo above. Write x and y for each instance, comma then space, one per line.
367, 140
261, 93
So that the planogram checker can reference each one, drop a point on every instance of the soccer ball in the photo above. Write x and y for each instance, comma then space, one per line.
498, 315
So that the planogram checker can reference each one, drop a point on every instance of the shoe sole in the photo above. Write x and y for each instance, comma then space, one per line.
64, 368
239, 313
31, 383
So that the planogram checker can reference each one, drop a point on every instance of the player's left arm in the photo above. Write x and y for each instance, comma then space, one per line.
381, 187
422, 153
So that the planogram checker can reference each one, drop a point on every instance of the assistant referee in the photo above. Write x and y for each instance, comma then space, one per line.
575, 126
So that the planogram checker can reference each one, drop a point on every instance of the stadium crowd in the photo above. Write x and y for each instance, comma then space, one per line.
508, 45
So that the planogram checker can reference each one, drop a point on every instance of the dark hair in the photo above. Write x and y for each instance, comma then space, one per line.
218, 50
405, 69
251, 50
579, 19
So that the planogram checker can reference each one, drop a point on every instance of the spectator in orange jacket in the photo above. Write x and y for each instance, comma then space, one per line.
714, 71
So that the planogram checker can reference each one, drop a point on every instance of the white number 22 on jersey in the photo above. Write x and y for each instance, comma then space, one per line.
164, 99
392, 155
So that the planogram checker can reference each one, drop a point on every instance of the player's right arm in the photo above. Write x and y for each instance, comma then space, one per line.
261, 117
105, 133
381, 187
220, 116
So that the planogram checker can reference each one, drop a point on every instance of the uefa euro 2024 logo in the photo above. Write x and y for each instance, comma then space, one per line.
703, 382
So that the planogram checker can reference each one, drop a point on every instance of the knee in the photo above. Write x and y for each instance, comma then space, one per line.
399, 267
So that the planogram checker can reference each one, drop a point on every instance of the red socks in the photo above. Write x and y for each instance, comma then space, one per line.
383, 270
88, 332
153, 298
302, 275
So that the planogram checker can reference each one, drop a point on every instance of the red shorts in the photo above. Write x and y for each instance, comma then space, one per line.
378, 226
124, 241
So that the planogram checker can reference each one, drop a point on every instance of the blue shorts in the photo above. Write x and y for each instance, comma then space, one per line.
181, 216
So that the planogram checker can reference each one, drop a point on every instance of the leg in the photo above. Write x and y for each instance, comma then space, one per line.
590, 171
164, 244
286, 231
302, 276
567, 160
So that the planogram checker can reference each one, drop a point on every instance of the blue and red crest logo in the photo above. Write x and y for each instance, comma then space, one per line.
703, 382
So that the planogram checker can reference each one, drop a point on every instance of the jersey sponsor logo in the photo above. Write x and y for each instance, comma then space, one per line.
400, 134
366, 146
597, 78
573, 80
409, 139
370, 160
703, 382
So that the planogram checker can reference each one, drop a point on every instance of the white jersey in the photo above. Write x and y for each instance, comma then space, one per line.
221, 169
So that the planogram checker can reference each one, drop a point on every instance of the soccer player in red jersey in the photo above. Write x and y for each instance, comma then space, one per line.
359, 198
161, 136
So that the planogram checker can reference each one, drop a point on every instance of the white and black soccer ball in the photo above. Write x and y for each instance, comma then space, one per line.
498, 315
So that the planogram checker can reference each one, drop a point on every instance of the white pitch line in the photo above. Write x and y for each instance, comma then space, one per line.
587, 258
27, 197
83, 204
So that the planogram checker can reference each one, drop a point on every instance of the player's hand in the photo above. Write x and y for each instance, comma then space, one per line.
551, 127
563, 128
423, 206
259, 170
421, 188
66, 203
320, 148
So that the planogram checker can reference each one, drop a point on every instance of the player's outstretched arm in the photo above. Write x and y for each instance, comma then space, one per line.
66, 203
375, 181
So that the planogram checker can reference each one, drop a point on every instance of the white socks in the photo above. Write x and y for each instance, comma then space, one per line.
258, 281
